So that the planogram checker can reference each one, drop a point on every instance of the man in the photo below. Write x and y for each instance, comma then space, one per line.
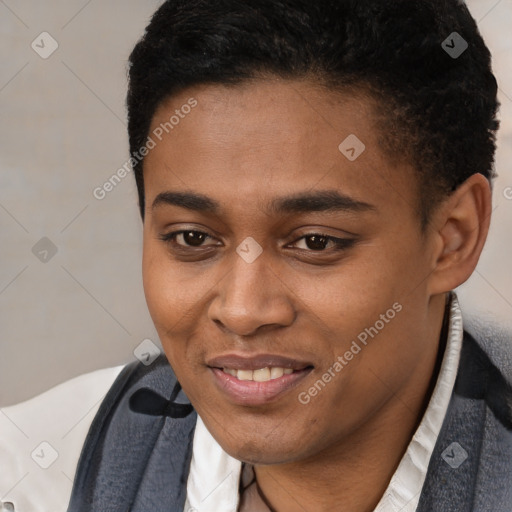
314, 181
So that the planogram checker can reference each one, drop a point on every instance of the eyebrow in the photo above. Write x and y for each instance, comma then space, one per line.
318, 201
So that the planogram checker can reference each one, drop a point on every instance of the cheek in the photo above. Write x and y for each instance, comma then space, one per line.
372, 305
169, 292
175, 301
353, 296
156, 285
166, 297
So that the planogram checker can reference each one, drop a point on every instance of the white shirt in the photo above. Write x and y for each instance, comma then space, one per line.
41, 440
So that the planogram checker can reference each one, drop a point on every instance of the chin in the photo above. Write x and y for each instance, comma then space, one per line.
262, 451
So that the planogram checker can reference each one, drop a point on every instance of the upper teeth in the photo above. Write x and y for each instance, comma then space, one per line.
261, 375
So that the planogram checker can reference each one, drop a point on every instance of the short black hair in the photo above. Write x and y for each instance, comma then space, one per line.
438, 108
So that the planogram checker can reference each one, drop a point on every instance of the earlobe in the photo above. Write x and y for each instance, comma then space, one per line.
463, 224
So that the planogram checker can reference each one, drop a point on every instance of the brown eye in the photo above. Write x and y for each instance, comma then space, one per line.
316, 243
320, 243
193, 238
187, 238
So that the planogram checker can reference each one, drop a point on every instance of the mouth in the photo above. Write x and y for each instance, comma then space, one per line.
257, 380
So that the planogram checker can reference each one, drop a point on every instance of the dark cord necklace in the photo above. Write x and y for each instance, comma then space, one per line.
254, 482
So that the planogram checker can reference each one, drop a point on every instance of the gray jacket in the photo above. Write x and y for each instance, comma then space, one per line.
137, 453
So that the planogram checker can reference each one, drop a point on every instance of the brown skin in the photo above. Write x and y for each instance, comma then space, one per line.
243, 147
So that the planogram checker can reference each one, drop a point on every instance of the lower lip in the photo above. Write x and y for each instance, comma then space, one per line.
248, 392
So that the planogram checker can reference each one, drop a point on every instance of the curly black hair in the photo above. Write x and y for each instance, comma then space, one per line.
438, 109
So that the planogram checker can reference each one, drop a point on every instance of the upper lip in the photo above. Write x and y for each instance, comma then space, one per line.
256, 362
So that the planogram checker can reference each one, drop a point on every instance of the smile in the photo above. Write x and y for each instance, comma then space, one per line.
261, 375
257, 379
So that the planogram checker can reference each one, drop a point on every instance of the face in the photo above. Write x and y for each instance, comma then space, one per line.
285, 274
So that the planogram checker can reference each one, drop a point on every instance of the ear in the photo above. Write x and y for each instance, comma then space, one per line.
461, 227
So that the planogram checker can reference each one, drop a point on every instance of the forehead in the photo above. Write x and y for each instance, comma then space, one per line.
255, 141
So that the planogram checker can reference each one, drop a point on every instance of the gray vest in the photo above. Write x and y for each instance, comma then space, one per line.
137, 453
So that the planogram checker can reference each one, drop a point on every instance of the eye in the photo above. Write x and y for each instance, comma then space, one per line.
187, 238
320, 243
312, 242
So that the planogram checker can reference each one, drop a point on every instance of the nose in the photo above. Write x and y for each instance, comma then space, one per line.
251, 298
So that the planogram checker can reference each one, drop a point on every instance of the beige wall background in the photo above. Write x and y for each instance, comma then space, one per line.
71, 298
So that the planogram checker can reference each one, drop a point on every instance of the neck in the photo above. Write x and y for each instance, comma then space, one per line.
356, 472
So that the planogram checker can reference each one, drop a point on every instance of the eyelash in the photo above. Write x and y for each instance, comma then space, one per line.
340, 244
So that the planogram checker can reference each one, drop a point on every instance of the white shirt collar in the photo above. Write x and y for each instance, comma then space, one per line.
213, 481
404, 490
